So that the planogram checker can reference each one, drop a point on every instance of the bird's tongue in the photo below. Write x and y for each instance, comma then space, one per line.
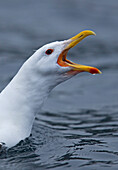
77, 68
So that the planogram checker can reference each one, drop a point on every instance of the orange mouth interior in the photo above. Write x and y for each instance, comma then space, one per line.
63, 61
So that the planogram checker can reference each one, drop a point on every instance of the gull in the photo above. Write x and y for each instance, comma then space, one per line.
23, 97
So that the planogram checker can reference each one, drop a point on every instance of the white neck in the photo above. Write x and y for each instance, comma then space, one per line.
19, 102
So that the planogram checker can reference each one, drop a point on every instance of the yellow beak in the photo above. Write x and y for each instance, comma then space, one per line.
62, 60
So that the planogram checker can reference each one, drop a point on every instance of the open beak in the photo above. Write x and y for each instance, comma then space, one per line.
64, 62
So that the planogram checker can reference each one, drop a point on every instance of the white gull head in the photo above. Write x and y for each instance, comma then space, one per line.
24, 95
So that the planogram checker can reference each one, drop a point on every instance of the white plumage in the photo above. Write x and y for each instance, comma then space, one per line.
24, 95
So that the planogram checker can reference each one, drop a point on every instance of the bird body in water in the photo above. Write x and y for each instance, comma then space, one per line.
24, 95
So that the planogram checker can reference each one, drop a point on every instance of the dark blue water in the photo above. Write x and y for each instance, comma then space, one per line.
77, 127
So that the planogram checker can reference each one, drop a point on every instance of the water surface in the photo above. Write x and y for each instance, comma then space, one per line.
77, 127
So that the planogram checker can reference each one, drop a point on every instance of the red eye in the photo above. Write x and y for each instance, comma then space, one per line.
49, 51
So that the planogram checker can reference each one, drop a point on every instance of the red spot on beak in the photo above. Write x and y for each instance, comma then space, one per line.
94, 71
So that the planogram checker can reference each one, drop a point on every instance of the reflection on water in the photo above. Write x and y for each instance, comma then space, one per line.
78, 125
